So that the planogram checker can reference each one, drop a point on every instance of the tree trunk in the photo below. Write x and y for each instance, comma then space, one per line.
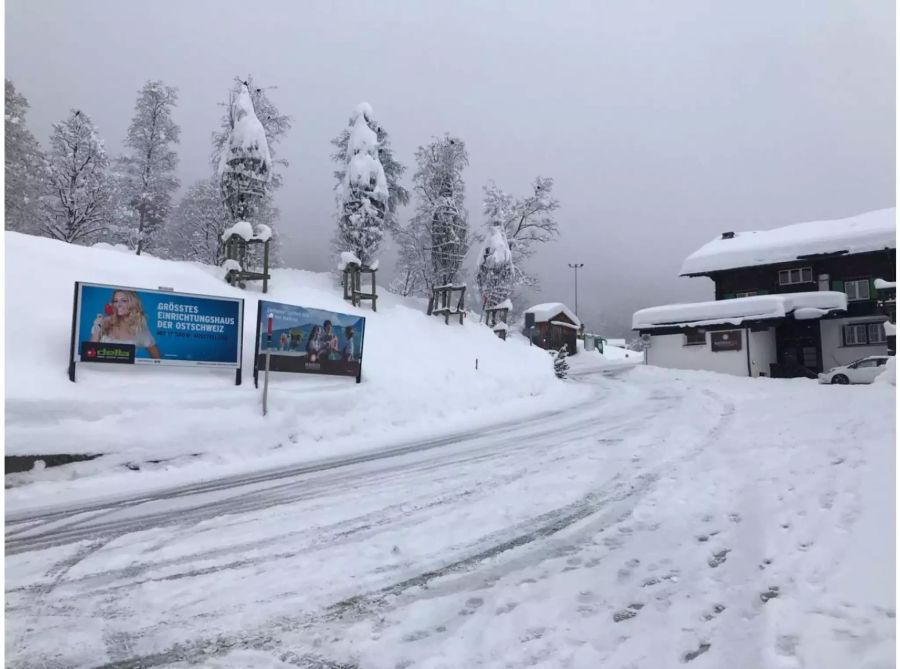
140, 232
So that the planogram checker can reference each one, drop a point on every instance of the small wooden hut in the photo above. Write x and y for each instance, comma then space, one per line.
555, 326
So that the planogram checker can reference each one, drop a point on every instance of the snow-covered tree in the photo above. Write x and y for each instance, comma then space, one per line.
245, 164
560, 364
528, 221
197, 224
397, 195
25, 167
76, 208
363, 194
413, 274
148, 172
275, 124
435, 241
495, 268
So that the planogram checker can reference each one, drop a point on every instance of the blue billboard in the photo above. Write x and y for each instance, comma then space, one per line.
155, 327
309, 341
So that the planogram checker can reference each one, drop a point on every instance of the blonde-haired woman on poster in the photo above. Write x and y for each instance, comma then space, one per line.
125, 323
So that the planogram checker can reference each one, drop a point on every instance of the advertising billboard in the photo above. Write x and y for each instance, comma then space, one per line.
310, 341
118, 324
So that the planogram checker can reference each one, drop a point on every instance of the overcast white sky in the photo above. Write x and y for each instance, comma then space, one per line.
663, 123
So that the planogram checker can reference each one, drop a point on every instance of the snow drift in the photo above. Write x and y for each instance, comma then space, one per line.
419, 375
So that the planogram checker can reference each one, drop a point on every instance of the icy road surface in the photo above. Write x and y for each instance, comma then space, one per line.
674, 519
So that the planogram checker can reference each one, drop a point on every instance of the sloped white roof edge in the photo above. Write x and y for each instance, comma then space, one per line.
544, 312
738, 310
870, 231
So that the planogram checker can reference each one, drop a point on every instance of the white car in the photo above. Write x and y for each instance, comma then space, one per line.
861, 371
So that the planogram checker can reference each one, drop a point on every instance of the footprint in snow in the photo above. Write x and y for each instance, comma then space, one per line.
694, 654
630, 612
712, 613
735, 517
718, 558
771, 593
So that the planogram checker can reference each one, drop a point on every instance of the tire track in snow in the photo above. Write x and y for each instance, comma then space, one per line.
551, 523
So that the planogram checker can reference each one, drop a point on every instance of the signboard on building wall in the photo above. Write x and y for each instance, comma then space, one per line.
119, 324
729, 340
310, 341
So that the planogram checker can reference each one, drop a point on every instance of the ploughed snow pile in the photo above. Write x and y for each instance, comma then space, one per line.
544, 312
735, 311
872, 231
419, 375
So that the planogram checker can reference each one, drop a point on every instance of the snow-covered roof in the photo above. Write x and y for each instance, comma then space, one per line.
881, 284
734, 312
544, 312
872, 231
564, 324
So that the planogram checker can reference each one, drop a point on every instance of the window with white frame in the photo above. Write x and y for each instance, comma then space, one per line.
876, 333
788, 277
864, 334
857, 290
695, 338
746, 293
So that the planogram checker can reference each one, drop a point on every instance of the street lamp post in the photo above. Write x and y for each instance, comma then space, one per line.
576, 266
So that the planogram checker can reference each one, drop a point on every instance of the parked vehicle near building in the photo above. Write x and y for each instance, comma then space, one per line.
861, 371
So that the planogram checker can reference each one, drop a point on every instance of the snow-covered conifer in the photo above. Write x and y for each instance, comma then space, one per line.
25, 167
436, 239
560, 364
245, 163
147, 174
495, 268
76, 208
363, 194
393, 170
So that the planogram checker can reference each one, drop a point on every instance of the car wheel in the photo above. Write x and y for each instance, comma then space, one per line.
840, 379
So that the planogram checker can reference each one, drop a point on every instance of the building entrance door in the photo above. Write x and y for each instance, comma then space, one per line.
799, 348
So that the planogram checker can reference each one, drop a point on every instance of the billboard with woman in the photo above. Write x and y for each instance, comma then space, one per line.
139, 326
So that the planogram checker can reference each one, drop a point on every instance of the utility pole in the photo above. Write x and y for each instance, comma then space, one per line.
576, 266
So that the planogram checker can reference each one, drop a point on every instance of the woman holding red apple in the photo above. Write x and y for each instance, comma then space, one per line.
125, 323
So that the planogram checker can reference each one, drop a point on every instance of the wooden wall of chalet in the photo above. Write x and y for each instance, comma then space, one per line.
552, 337
764, 279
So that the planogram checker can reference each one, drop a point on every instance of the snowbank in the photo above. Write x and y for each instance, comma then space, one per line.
419, 376
872, 231
736, 311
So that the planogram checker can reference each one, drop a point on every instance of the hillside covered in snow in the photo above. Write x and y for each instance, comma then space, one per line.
420, 377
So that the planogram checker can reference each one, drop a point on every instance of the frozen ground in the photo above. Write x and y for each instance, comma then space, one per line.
663, 519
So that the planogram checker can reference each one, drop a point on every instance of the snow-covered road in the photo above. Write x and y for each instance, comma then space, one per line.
671, 518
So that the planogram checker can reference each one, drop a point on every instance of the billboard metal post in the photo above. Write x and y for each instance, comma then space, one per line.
268, 359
